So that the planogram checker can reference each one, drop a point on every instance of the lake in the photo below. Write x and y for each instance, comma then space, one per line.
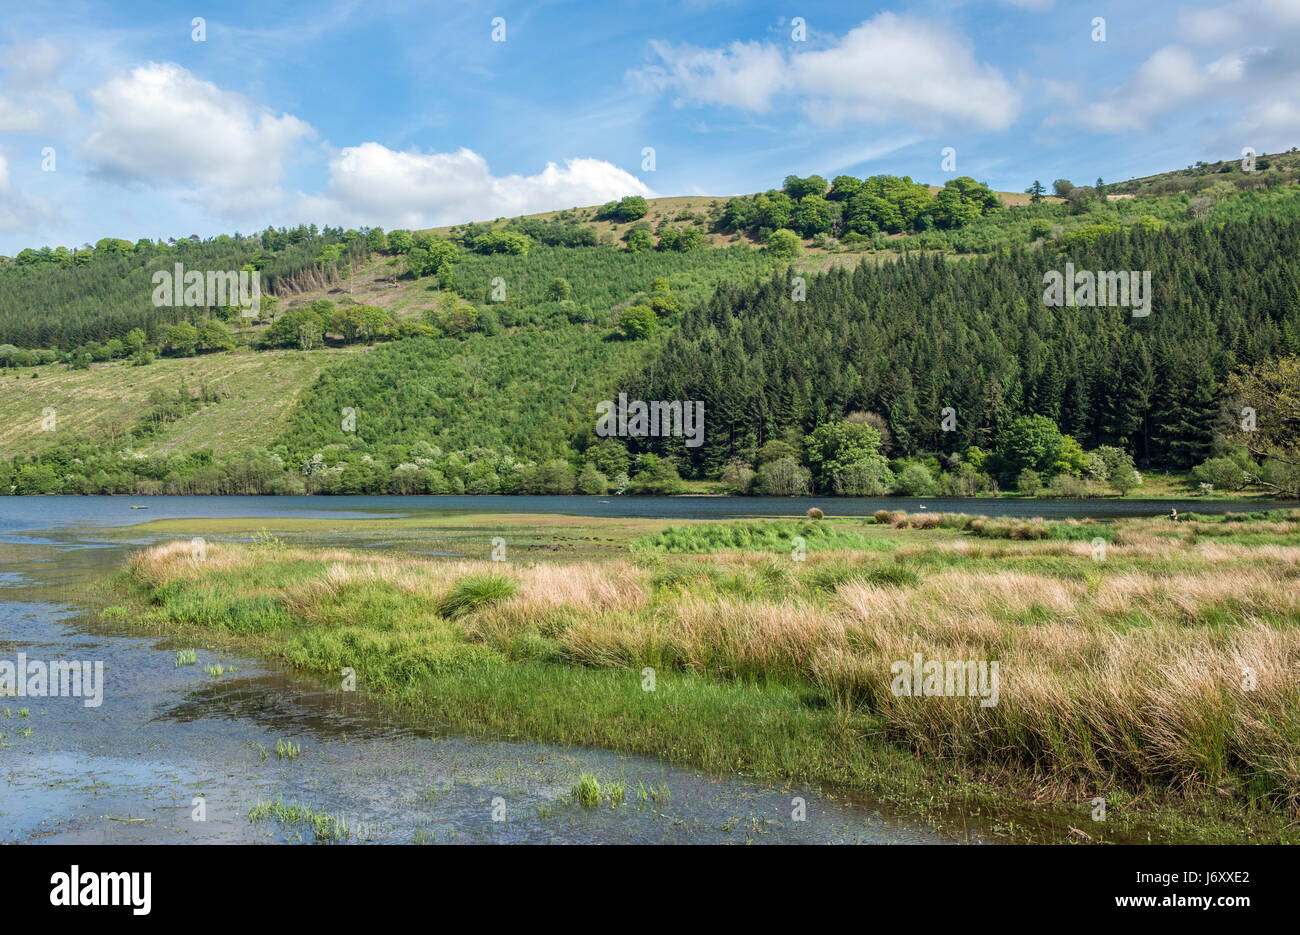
27, 513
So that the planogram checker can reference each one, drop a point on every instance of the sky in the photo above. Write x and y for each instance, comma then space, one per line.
132, 120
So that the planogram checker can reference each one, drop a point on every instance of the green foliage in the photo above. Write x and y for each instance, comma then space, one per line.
845, 459
797, 188
1030, 443
182, 339
914, 480
362, 323
1223, 474
639, 241
625, 209
784, 244
784, 477
431, 257
656, 476
302, 328
680, 239
473, 391
502, 241
637, 322
1029, 482
474, 592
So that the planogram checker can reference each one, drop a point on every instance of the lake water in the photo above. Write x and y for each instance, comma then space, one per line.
18, 514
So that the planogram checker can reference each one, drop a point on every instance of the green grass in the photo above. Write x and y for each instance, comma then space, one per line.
471, 659
475, 591
323, 827
103, 403
771, 535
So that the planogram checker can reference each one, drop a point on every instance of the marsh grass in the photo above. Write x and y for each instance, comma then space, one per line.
474, 592
589, 792
324, 828
769, 535
1125, 674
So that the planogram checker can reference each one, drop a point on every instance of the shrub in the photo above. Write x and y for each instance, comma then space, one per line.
475, 591
784, 477
1067, 485
915, 480
1029, 483
1221, 473
737, 477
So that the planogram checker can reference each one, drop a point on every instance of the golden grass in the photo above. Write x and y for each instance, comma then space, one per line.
1189, 678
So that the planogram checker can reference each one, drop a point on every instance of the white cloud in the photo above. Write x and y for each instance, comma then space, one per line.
371, 184
162, 126
17, 212
1171, 76
888, 69
19, 118
1249, 59
29, 101
1234, 21
745, 75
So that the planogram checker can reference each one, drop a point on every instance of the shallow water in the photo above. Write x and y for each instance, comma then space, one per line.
19, 514
170, 738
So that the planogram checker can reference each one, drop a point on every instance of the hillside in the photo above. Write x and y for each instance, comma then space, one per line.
472, 357
101, 404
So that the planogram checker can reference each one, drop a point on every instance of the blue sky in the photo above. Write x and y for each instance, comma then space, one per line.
409, 114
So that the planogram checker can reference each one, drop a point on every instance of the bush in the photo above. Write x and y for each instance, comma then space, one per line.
784, 244
1222, 473
656, 476
1067, 485
637, 322
867, 478
591, 481
915, 480
1029, 483
737, 477
784, 477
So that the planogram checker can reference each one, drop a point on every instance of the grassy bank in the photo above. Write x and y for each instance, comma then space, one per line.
1158, 673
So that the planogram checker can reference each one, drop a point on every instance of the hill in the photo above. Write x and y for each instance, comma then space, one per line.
487, 346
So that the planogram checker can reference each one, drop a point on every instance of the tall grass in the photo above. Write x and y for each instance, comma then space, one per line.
1170, 664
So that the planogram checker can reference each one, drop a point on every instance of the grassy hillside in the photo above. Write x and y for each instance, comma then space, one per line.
103, 403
